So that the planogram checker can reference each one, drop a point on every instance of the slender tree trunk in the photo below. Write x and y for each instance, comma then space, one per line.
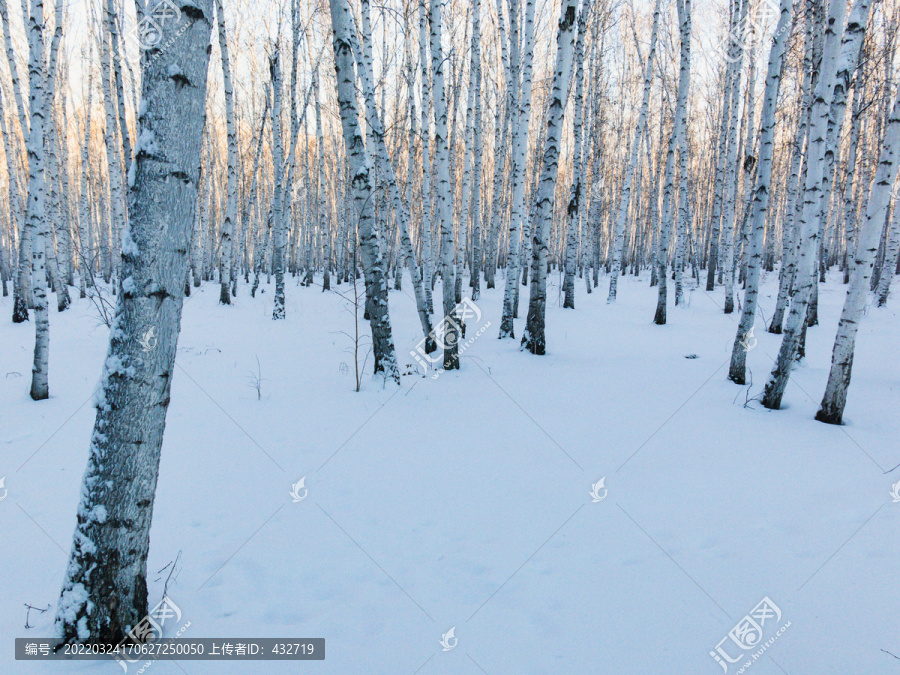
228, 224
361, 192
679, 125
450, 336
760, 203
809, 235
835, 398
35, 212
534, 339
625, 194
520, 100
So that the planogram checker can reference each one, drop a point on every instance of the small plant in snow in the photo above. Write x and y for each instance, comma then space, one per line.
256, 380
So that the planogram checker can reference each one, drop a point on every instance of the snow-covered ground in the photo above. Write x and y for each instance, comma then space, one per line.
466, 501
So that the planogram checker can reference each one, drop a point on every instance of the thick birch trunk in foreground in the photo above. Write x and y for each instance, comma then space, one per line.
105, 591
35, 212
534, 339
228, 224
760, 203
809, 224
361, 210
832, 408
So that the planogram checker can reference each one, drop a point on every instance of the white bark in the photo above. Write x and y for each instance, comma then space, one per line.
625, 194
228, 224
443, 213
760, 204
679, 128
809, 223
534, 338
835, 398
105, 590
361, 188
520, 100
35, 209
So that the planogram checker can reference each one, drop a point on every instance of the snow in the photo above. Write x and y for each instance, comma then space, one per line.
471, 502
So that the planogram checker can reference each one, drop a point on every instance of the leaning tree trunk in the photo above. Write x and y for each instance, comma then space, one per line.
760, 204
534, 339
809, 224
889, 265
105, 590
361, 190
832, 408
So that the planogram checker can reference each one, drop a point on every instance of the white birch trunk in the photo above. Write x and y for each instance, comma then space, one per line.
105, 590
679, 125
361, 188
809, 223
35, 211
228, 224
835, 398
760, 204
625, 194
444, 217
534, 338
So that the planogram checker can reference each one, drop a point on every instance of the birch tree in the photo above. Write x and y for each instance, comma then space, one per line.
760, 203
519, 100
625, 194
572, 209
534, 338
35, 213
104, 594
361, 190
228, 224
679, 124
443, 211
832, 409
809, 223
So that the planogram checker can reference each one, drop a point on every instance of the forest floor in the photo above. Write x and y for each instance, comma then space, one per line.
466, 501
